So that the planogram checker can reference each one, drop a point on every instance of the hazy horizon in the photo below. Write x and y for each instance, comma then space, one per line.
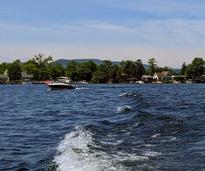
170, 31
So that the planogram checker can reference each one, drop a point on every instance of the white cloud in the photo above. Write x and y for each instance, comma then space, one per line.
158, 32
167, 40
108, 27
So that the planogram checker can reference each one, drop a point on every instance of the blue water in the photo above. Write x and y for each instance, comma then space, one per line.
103, 127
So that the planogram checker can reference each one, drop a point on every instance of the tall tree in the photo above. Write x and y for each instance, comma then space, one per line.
196, 69
132, 69
85, 70
152, 68
3, 67
114, 73
183, 69
127, 68
140, 70
41, 62
102, 74
72, 70
56, 70
14, 71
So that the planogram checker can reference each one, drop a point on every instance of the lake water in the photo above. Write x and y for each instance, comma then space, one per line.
103, 128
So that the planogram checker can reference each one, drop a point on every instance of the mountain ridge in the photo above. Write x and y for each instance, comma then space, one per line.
64, 62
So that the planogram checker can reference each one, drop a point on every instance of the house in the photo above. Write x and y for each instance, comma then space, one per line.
132, 80
4, 78
147, 78
179, 78
26, 77
162, 76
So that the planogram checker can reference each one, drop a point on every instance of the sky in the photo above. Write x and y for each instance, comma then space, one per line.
171, 31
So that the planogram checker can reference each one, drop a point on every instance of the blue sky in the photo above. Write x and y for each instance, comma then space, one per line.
172, 31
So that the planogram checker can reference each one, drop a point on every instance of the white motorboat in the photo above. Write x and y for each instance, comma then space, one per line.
61, 83
139, 82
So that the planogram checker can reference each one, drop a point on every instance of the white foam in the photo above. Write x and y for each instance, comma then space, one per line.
168, 139
123, 108
82, 88
149, 145
113, 143
152, 153
131, 157
124, 94
74, 154
155, 135
173, 138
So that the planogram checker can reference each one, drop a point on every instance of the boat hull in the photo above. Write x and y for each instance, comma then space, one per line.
60, 86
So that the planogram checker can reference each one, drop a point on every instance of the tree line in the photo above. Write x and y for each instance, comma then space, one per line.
195, 70
44, 68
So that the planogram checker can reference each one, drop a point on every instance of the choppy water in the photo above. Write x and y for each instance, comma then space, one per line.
102, 128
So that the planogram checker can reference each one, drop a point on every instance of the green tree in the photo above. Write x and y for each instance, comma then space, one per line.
31, 68
3, 67
85, 70
140, 70
152, 68
102, 74
127, 68
114, 73
183, 69
132, 69
42, 61
39, 67
72, 70
14, 71
196, 69
56, 70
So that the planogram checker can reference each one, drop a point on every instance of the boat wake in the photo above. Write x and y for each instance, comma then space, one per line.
124, 108
78, 152
132, 137
82, 88
74, 154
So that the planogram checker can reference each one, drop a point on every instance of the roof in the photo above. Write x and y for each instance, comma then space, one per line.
2, 76
162, 74
147, 76
25, 75
178, 76
62, 77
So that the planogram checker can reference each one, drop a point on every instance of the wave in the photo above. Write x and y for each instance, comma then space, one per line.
124, 94
124, 108
74, 154
152, 153
127, 94
82, 88
79, 152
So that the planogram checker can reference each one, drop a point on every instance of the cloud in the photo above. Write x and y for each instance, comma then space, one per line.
73, 27
108, 27
164, 33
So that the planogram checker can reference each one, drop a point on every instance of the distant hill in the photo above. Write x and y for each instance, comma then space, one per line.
64, 62
177, 70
